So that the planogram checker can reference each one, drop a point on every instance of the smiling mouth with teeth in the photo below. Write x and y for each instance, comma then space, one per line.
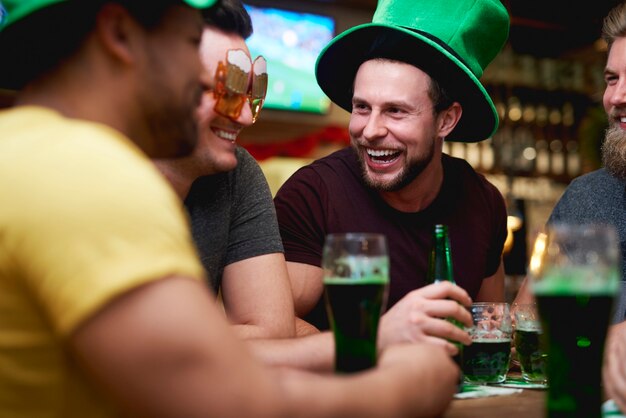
382, 156
229, 136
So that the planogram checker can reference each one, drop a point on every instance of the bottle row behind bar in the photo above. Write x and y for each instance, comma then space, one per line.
537, 135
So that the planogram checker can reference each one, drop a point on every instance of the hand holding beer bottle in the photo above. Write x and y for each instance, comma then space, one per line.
420, 316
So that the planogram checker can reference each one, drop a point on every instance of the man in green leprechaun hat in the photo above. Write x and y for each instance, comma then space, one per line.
411, 79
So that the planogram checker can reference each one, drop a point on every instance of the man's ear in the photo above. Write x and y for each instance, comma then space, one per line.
448, 119
115, 29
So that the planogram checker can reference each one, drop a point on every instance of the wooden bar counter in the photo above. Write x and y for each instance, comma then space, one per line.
527, 404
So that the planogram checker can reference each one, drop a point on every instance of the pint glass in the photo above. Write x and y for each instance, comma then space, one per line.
486, 360
529, 343
575, 277
356, 279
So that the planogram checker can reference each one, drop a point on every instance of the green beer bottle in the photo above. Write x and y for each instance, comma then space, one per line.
440, 270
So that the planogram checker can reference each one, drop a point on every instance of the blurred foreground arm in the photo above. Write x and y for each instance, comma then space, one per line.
315, 352
411, 380
163, 350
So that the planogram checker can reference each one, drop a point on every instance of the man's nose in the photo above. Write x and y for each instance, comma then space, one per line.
245, 117
617, 96
375, 126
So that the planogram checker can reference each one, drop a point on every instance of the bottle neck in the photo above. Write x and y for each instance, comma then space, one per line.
440, 263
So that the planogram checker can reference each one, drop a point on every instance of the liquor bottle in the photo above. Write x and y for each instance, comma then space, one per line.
440, 270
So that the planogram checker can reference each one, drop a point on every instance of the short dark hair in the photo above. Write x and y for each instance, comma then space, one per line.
40, 42
230, 16
391, 47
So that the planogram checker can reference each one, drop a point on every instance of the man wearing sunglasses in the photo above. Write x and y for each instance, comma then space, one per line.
225, 192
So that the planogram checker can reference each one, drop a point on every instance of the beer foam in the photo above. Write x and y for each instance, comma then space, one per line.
576, 281
356, 267
379, 279
239, 58
491, 335
529, 327
260, 66
491, 340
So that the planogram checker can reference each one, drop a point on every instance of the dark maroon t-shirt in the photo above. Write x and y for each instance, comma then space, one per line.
329, 196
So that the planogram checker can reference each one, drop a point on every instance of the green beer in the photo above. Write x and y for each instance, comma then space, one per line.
532, 357
575, 271
354, 308
486, 360
575, 327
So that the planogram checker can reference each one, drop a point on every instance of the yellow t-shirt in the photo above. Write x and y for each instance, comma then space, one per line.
84, 217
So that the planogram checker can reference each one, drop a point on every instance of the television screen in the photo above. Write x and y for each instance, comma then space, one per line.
290, 42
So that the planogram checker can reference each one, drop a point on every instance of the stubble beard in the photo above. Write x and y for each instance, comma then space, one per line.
170, 115
614, 152
411, 170
173, 126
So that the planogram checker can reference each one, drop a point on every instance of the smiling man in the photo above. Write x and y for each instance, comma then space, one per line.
410, 80
225, 192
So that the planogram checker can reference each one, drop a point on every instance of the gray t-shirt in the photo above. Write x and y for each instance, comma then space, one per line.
597, 197
233, 217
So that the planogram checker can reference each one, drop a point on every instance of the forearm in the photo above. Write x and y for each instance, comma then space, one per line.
276, 330
313, 352
256, 331
418, 385
190, 365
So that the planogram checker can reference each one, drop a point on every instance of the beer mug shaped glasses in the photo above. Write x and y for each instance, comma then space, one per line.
574, 272
356, 279
529, 344
486, 360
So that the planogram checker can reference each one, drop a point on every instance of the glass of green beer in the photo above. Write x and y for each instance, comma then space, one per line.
486, 360
529, 344
575, 277
356, 280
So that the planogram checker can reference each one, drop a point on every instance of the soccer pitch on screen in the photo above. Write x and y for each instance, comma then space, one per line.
290, 41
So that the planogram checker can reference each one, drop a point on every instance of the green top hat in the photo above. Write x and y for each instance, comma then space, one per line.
451, 40
24, 24
12, 11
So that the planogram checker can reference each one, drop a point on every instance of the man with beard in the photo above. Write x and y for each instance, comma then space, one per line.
410, 80
599, 196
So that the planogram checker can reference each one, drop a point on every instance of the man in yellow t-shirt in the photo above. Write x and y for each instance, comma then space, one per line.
85, 217
68, 217
103, 307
